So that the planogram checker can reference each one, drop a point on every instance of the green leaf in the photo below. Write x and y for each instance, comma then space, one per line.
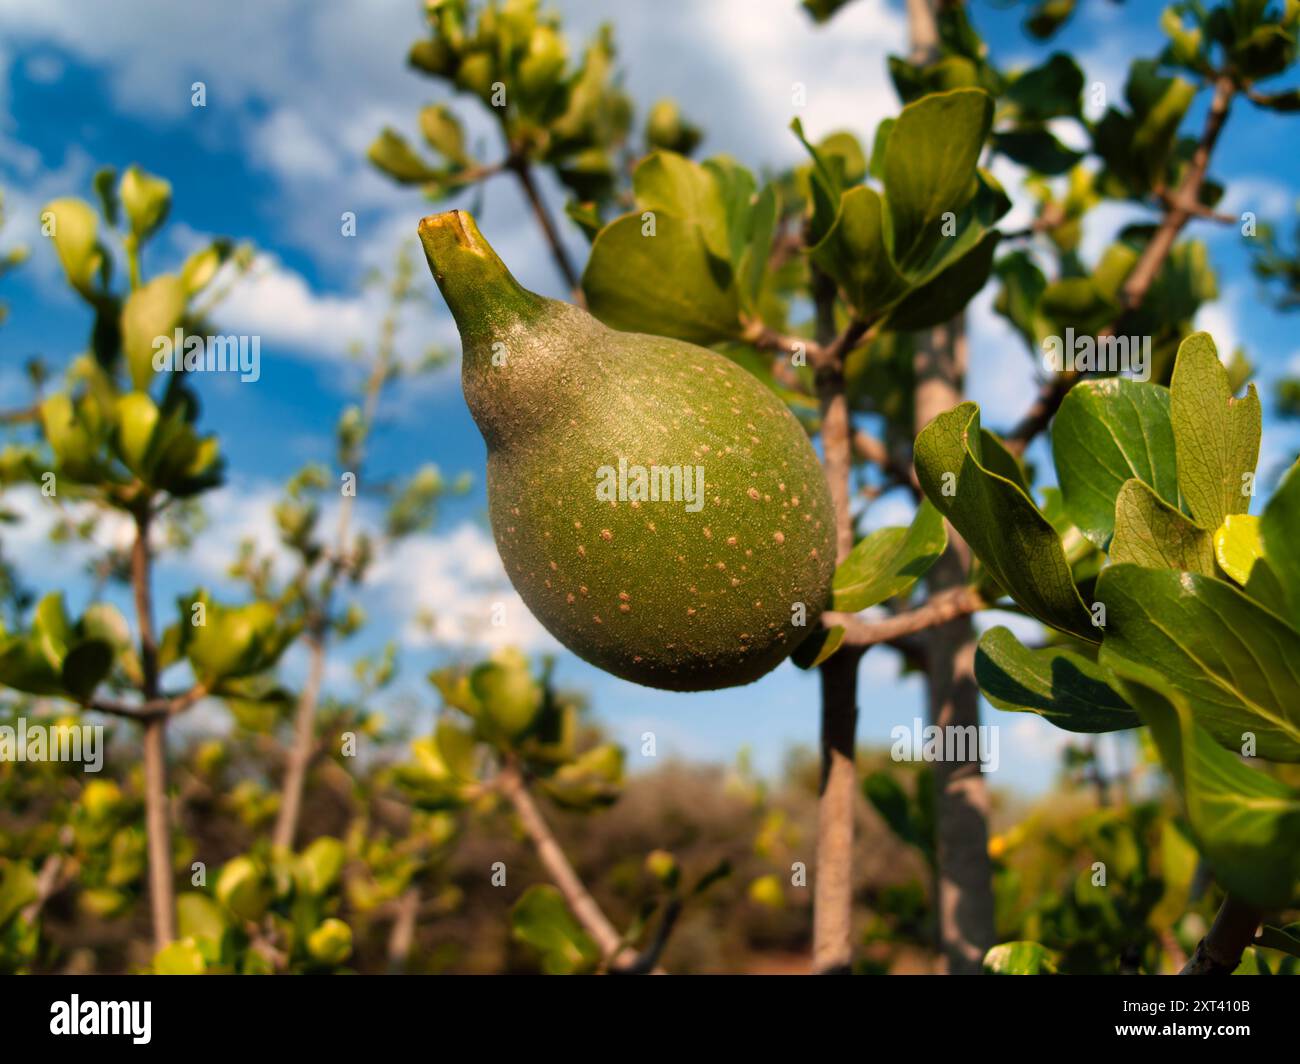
75, 445
1237, 546
391, 153
233, 641
1232, 659
1105, 433
318, 867
674, 185
509, 696
826, 187
821, 643
593, 779
1151, 533
1246, 824
897, 809
940, 299
146, 200
201, 267
182, 957
752, 267
1022, 287
444, 134
137, 419
666, 283
1215, 435
200, 918
844, 147
85, 667
1279, 530
993, 514
73, 226
18, 888
1284, 939
540, 919
853, 253
1021, 958
889, 561
930, 161
1037, 149
1051, 90
331, 942
150, 313
244, 887
1059, 685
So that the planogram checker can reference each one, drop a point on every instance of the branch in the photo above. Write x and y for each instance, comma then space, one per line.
938, 609
833, 878
523, 170
168, 706
872, 450
1219, 952
648, 962
47, 882
157, 829
616, 953
1183, 206
768, 339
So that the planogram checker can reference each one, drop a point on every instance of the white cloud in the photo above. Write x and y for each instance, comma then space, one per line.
1221, 320
1268, 200
279, 305
288, 145
458, 578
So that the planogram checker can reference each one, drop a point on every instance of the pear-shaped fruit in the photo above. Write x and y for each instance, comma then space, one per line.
659, 510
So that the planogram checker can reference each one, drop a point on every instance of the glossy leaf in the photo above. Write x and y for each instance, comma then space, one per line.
1246, 823
1216, 436
1151, 533
853, 253
1238, 546
145, 199
1105, 433
929, 169
667, 284
509, 696
821, 643
889, 561
1059, 685
993, 514
73, 226
540, 919
672, 184
1233, 660
940, 298
1279, 531
150, 313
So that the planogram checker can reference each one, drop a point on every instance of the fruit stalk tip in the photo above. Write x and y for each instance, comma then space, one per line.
471, 276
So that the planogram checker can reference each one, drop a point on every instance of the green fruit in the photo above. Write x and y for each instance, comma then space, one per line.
595, 441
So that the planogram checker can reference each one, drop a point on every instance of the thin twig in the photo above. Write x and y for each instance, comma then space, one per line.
938, 609
157, 829
1181, 209
1219, 952
523, 170
510, 782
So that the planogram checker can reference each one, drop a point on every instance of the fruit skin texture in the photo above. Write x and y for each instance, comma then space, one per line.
646, 590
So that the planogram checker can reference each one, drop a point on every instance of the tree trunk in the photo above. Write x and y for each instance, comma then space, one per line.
833, 873
299, 756
157, 823
965, 886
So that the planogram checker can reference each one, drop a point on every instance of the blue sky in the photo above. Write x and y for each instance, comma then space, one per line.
295, 93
